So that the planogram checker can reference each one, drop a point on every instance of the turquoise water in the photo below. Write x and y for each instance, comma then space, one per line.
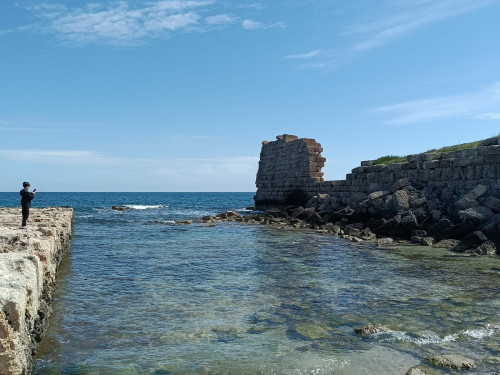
139, 294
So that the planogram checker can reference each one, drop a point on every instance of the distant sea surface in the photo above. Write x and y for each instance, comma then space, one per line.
140, 294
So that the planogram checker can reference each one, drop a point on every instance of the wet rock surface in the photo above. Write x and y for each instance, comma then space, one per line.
453, 361
29, 258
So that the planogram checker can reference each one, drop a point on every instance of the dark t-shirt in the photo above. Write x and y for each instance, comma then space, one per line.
26, 198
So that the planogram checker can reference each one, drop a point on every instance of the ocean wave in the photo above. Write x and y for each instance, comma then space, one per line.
433, 338
171, 222
144, 206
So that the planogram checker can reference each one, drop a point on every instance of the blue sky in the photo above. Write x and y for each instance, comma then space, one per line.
177, 95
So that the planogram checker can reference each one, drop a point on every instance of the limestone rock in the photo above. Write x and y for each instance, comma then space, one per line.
447, 244
401, 200
28, 268
453, 361
475, 215
371, 330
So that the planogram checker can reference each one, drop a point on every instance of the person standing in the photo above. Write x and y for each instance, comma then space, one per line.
26, 198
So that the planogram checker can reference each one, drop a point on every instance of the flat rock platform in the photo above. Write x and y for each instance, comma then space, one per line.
29, 258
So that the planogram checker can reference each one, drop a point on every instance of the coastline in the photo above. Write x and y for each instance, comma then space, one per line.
29, 259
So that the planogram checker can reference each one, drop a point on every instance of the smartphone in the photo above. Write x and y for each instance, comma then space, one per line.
34, 190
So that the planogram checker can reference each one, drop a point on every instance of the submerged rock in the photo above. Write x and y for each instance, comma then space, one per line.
453, 361
371, 329
118, 208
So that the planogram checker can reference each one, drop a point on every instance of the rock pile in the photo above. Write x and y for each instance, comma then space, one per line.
28, 262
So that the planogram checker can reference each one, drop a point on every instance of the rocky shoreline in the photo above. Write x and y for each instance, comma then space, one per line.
468, 224
29, 258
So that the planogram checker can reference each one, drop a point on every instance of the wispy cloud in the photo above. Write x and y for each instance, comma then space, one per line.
122, 23
389, 22
483, 104
221, 19
249, 24
59, 156
175, 166
306, 55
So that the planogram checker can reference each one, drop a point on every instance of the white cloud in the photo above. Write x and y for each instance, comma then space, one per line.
391, 21
220, 19
249, 24
480, 105
307, 55
59, 156
122, 23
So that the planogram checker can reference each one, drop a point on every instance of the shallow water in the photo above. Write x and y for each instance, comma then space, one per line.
141, 295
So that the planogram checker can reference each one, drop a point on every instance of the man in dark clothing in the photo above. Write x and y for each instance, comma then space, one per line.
26, 198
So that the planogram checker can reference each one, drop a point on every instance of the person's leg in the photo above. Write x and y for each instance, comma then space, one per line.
26, 214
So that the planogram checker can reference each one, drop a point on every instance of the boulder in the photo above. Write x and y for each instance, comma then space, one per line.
384, 241
401, 200
399, 184
371, 329
464, 203
427, 241
447, 244
476, 192
118, 208
418, 370
492, 203
470, 242
476, 215
486, 248
452, 361
367, 234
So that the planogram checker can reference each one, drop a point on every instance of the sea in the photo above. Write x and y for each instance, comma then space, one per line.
140, 293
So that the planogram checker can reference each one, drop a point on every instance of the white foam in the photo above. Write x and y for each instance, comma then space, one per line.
143, 207
487, 331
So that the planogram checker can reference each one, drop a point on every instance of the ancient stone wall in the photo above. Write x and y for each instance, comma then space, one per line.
290, 164
29, 258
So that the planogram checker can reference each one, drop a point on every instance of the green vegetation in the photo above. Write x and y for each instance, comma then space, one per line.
390, 159
463, 146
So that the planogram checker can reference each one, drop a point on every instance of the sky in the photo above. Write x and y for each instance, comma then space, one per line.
172, 95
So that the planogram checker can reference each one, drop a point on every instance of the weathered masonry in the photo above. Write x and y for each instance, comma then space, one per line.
290, 164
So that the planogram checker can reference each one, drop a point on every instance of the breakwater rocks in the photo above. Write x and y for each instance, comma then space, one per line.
29, 258
446, 199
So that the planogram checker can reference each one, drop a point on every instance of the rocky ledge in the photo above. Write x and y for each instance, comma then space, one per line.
468, 224
29, 258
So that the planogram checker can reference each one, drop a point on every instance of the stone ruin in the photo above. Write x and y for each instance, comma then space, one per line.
292, 165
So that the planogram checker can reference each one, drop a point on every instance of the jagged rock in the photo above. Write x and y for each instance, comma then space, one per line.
427, 241
453, 361
385, 241
492, 203
486, 248
417, 202
476, 192
367, 234
436, 215
184, 222
418, 233
399, 184
118, 208
418, 370
351, 230
447, 244
371, 330
465, 203
470, 242
475, 215
409, 221
401, 200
